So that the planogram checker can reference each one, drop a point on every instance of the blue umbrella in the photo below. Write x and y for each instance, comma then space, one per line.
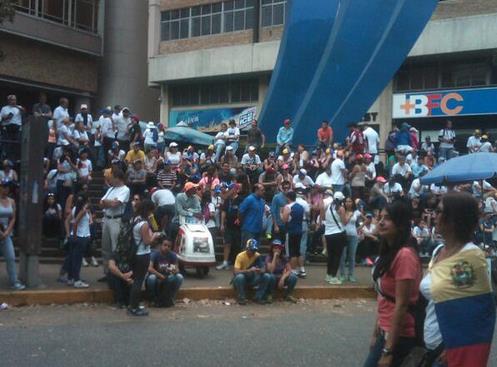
471, 167
187, 135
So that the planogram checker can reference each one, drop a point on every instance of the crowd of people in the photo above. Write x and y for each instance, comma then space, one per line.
334, 199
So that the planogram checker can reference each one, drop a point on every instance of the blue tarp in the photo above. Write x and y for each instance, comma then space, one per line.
187, 135
471, 167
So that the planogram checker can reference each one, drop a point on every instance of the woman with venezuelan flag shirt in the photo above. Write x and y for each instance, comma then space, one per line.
460, 316
397, 275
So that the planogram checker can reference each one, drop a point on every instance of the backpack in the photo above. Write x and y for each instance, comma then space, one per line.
155, 135
126, 245
418, 311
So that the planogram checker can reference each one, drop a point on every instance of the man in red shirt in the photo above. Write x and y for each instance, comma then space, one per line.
325, 135
356, 140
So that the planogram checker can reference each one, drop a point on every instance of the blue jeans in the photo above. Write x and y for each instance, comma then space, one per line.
163, 291
348, 255
7, 248
445, 153
242, 280
304, 239
234, 145
290, 283
219, 151
402, 349
77, 248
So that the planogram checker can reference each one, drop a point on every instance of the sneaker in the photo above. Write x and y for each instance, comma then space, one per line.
94, 262
62, 279
268, 236
352, 279
335, 281
70, 282
223, 266
80, 284
302, 274
18, 286
269, 299
242, 301
84, 263
137, 312
342, 278
290, 299
327, 278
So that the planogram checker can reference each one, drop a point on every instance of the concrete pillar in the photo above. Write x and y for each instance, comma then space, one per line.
124, 69
153, 27
385, 113
164, 105
263, 88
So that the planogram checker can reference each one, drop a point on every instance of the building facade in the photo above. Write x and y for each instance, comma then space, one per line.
80, 49
213, 60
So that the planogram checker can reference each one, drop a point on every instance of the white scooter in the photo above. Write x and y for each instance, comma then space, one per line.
194, 246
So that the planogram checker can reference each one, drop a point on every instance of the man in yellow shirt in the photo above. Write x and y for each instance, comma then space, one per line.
249, 270
135, 154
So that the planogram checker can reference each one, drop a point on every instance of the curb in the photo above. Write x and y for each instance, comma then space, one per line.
60, 297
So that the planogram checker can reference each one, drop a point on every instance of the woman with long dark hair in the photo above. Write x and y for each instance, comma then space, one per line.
460, 316
397, 275
143, 236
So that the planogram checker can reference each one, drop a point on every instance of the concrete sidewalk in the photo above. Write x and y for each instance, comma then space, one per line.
216, 285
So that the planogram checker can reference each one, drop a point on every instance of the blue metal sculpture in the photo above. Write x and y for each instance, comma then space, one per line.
335, 58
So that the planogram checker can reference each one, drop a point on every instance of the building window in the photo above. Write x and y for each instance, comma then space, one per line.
77, 14
209, 19
239, 91
443, 75
273, 12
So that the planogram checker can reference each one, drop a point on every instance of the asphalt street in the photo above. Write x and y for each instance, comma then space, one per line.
205, 333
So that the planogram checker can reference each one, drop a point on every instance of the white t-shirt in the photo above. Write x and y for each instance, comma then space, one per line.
330, 225
447, 134
402, 170
84, 168
371, 171
306, 206
486, 147
62, 133
372, 138
473, 144
121, 194
247, 159
233, 134
306, 182
59, 114
16, 118
122, 124
351, 226
83, 229
324, 180
432, 335
337, 177
438, 190
390, 190
80, 136
163, 197
107, 128
89, 120
220, 137
173, 158
148, 135
143, 249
